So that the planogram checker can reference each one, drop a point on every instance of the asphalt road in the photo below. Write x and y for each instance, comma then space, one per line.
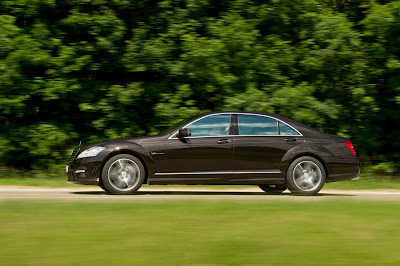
93, 193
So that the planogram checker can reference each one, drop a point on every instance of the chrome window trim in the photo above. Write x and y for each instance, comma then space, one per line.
221, 136
267, 135
237, 113
235, 136
222, 172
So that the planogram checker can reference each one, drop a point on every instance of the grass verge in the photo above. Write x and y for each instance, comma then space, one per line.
199, 233
367, 180
55, 177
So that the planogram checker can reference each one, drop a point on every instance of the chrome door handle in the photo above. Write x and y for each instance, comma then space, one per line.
223, 141
290, 140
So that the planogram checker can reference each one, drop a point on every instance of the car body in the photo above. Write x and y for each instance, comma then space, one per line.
220, 148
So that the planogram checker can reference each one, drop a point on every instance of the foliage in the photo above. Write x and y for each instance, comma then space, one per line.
94, 70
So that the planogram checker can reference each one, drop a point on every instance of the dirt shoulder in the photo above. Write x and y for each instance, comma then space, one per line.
93, 193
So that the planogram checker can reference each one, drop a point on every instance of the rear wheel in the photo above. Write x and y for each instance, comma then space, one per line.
273, 189
123, 174
305, 176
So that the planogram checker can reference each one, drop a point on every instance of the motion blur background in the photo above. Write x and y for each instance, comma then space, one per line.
93, 70
74, 70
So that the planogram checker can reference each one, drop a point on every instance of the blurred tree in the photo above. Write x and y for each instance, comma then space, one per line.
382, 39
94, 69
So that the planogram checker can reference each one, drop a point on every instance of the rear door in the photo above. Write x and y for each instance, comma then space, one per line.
259, 146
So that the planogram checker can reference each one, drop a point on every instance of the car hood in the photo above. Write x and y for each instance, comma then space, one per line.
135, 140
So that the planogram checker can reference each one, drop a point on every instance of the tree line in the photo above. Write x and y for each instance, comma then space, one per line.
93, 70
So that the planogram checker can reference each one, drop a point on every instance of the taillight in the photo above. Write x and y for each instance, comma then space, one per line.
351, 147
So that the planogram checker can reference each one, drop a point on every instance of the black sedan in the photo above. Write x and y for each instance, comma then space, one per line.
271, 151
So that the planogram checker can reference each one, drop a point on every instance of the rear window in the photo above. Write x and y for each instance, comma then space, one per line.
286, 129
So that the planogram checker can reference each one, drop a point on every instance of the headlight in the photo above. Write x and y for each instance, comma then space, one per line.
93, 151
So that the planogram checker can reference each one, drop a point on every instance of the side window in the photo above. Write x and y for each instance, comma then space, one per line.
286, 129
214, 125
257, 125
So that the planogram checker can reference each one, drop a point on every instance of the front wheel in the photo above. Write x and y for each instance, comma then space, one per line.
123, 174
101, 185
305, 176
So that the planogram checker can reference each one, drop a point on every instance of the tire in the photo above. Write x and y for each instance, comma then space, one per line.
101, 185
123, 174
273, 189
305, 176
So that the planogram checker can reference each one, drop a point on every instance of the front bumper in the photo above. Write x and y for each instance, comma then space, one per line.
84, 171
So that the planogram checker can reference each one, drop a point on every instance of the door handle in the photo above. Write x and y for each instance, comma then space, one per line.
291, 139
223, 141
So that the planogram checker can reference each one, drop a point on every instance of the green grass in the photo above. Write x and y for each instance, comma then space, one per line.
372, 183
57, 178
200, 233
45, 178
368, 180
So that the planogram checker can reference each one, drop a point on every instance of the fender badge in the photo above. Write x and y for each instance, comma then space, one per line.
156, 153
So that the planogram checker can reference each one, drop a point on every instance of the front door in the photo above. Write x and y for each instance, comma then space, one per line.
205, 157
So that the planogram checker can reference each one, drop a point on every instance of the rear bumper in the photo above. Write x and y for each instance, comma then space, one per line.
343, 169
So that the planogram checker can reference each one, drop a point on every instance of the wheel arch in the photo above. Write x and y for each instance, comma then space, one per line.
125, 151
319, 158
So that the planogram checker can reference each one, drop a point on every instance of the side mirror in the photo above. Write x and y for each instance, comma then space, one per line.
183, 133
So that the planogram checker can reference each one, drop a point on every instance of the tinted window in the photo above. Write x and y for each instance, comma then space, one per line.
287, 130
257, 125
214, 125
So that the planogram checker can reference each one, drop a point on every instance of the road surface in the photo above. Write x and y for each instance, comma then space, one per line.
92, 193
